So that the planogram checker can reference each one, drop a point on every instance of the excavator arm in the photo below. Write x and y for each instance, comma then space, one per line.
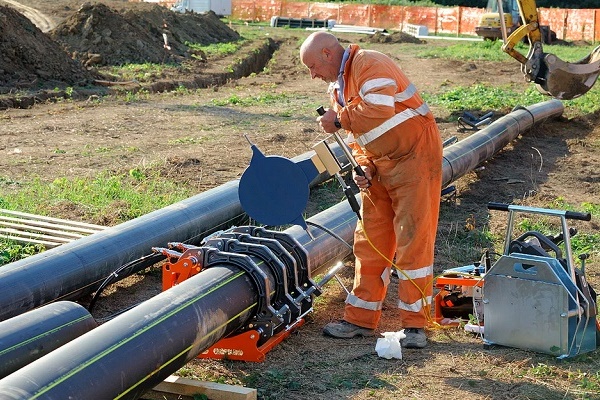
553, 76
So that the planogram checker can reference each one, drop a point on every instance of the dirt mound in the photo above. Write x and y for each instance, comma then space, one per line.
394, 37
30, 59
99, 35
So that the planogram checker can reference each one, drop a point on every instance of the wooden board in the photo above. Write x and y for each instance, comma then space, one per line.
178, 388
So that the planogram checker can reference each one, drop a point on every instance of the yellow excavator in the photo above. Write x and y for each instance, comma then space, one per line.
553, 76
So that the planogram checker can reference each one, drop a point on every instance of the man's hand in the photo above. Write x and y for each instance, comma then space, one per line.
327, 121
363, 182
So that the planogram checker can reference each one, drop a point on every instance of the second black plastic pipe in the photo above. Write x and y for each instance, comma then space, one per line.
129, 355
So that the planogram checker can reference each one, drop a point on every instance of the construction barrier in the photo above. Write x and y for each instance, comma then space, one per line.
569, 24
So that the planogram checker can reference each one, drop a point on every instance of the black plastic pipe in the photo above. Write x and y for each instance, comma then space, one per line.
29, 336
132, 353
78, 268
465, 155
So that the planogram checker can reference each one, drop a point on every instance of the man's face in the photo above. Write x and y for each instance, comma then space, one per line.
321, 66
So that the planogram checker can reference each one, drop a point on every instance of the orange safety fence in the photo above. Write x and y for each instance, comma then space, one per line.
569, 24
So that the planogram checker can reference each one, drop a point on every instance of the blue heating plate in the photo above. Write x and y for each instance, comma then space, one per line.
274, 190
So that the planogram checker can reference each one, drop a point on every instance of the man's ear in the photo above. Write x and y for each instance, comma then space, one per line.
326, 53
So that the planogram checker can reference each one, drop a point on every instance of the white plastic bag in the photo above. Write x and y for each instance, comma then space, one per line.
389, 345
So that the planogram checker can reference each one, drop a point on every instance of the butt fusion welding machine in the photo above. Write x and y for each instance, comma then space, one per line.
533, 297
254, 248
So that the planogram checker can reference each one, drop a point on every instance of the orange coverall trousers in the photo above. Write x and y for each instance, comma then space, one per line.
399, 216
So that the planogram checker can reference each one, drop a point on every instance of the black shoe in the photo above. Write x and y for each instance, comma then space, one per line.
346, 330
415, 338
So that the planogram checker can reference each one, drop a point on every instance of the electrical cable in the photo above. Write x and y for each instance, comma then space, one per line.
131, 267
434, 324
331, 233
423, 296
142, 263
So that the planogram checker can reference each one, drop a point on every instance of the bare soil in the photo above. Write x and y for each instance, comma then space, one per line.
49, 132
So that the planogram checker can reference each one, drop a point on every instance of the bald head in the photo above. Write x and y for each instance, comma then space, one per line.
322, 54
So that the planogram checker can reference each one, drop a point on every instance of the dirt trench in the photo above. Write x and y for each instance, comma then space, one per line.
68, 61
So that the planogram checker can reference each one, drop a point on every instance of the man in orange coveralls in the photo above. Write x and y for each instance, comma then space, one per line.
394, 137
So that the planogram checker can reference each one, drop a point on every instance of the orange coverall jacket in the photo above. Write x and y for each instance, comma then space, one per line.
392, 131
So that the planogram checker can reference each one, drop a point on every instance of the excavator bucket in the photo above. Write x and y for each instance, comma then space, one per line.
566, 81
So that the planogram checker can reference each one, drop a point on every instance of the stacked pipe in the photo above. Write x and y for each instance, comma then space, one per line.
130, 354
86, 263
153, 340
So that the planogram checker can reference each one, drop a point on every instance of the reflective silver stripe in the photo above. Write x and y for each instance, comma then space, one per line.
367, 305
396, 120
409, 92
416, 273
374, 98
375, 84
379, 99
417, 306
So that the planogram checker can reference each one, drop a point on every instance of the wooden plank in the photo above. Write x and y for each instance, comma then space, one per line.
175, 387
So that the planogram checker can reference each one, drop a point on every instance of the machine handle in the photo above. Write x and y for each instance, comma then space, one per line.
357, 168
497, 206
352, 200
579, 216
568, 214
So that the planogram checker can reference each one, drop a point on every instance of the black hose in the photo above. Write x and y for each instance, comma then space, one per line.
130, 268
329, 231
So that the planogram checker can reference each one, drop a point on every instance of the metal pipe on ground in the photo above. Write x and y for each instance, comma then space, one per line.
29, 336
465, 155
113, 360
78, 268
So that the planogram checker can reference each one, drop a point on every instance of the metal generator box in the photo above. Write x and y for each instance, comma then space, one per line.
532, 303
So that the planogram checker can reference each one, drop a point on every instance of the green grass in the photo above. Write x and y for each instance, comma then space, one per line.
248, 101
483, 97
11, 251
144, 72
492, 51
466, 242
585, 241
148, 72
486, 97
217, 49
108, 196
187, 140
